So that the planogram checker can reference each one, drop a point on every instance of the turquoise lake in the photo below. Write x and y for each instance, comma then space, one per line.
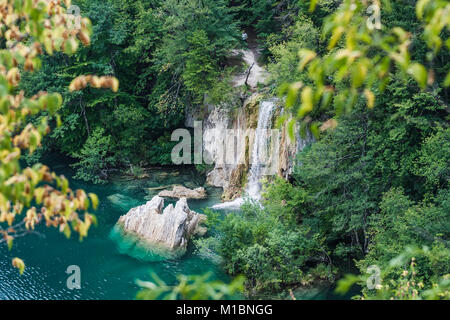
106, 271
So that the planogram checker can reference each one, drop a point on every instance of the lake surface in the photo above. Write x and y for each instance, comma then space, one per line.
105, 272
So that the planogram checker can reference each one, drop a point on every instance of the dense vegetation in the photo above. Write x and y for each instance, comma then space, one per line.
35, 195
166, 55
371, 191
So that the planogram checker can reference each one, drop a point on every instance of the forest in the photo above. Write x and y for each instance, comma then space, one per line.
372, 190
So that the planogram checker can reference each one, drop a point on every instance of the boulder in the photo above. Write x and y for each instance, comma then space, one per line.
183, 192
168, 229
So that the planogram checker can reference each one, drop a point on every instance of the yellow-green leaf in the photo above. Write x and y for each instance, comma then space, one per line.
370, 97
307, 102
315, 130
291, 129
419, 73
312, 5
420, 6
306, 56
10, 242
19, 264
94, 200
447, 80
67, 231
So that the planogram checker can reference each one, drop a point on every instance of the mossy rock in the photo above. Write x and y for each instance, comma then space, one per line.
237, 178
251, 109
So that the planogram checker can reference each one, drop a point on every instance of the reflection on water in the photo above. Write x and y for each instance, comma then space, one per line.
133, 246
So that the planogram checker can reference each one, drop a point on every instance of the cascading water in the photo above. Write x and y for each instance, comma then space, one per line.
259, 156
260, 147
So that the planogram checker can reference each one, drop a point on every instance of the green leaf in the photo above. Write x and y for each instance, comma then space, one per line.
346, 283
447, 80
306, 56
419, 73
420, 6
94, 200
307, 102
19, 264
293, 94
315, 130
291, 129
67, 231
54, 101
312, 5
370, 97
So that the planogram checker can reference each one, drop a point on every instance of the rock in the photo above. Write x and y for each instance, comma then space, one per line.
218, 121
237, 180
254, 74
160, 187
251, 109
168, 229
183, 192
219, 177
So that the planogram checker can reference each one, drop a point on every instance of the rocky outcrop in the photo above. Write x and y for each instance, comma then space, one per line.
183, 192
215, 136
236, 182
253, 73
243, 121
289, 148
169, 229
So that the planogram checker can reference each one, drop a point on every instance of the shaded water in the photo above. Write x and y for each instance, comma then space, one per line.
105, 272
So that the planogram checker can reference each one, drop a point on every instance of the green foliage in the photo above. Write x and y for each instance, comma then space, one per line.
284, 66
361, 56
33, 195
376, 182
95, 157
270, 251
199, 73
401, 224
166, 54
190, 288
402, 280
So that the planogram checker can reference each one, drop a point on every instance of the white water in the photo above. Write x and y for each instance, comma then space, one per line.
259, 156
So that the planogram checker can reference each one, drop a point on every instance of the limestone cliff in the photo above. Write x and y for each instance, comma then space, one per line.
232, 176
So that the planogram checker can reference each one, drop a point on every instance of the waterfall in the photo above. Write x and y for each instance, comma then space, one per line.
259, 156
260, 147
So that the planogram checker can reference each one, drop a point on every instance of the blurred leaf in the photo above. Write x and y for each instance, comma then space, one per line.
19, 264
419, 73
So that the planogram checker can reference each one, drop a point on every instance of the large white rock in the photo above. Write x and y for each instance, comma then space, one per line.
183, 192
170, 228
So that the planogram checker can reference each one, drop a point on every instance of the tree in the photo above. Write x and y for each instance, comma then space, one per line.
363, 56
33, 195
199, 73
